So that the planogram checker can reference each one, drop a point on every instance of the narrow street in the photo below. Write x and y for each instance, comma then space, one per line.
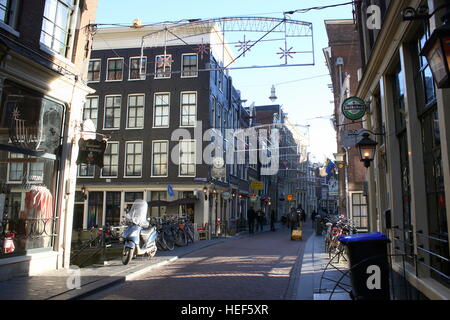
262, 266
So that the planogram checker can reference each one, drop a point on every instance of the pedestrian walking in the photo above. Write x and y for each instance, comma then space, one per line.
251, 215
260, 220
273, 219
313, 217
294, 219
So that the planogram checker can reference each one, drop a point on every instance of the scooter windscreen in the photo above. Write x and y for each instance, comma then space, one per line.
138, 213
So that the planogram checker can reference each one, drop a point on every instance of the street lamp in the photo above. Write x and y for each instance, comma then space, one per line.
437, 52
205, 192
367, 149
437, 48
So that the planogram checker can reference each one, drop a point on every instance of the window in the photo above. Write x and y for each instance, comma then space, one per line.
133, 164
56, 25
24, 109
220, 79
213, 112
15, 169
94, 70
131, 197
359, 211
189, 66
137, 70
160, 158
163, 66
161, 110
95, 209
111, 160
156, 196
187, 158
437, 236
112, 112
112, 206
85, 171
188, 109
9, 12
400, 119
90, 109
135, 111
115, 69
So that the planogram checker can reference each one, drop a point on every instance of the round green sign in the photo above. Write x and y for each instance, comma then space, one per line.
354, 108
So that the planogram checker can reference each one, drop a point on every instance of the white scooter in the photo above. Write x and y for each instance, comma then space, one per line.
139, 239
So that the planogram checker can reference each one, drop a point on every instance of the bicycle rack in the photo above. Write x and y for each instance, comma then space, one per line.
346, 274
344, 286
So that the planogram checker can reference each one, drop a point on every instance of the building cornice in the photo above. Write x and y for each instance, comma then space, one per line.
391, 34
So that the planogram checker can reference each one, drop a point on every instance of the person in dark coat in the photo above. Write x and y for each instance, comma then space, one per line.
294, 219
251, 215
260, 220
273, 218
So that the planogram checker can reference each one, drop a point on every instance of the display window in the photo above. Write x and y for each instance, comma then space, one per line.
30, 140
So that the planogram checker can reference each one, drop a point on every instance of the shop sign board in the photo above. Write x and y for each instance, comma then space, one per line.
218, 173
257, 185
354, 108
290, 197
226, 195
350, 138
253, 197
91, 152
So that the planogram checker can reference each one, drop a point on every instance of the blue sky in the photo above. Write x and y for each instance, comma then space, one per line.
302, 100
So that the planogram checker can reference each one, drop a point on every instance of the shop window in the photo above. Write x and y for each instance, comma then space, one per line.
158, 211
112, 206
78, 211
56, 33
437, 236
95, 209
30, 140
130, 197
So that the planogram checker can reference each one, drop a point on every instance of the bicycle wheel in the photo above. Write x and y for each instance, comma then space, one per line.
169, 240
180, 238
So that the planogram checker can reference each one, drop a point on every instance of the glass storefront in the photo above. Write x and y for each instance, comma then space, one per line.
30, 139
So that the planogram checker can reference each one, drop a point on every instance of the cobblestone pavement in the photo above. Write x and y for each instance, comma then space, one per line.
262, 266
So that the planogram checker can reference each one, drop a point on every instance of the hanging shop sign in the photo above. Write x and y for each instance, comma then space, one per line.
91, 152
290, 197
226, 195
354, 108
218, 173
349, 138
257, 185
253, 197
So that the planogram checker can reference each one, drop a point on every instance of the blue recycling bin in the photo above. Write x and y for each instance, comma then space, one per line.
368, 260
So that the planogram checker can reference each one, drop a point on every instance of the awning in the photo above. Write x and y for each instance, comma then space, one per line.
178, 202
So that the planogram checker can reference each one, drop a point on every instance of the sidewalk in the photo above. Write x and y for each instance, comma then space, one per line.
52, 285
314, 283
